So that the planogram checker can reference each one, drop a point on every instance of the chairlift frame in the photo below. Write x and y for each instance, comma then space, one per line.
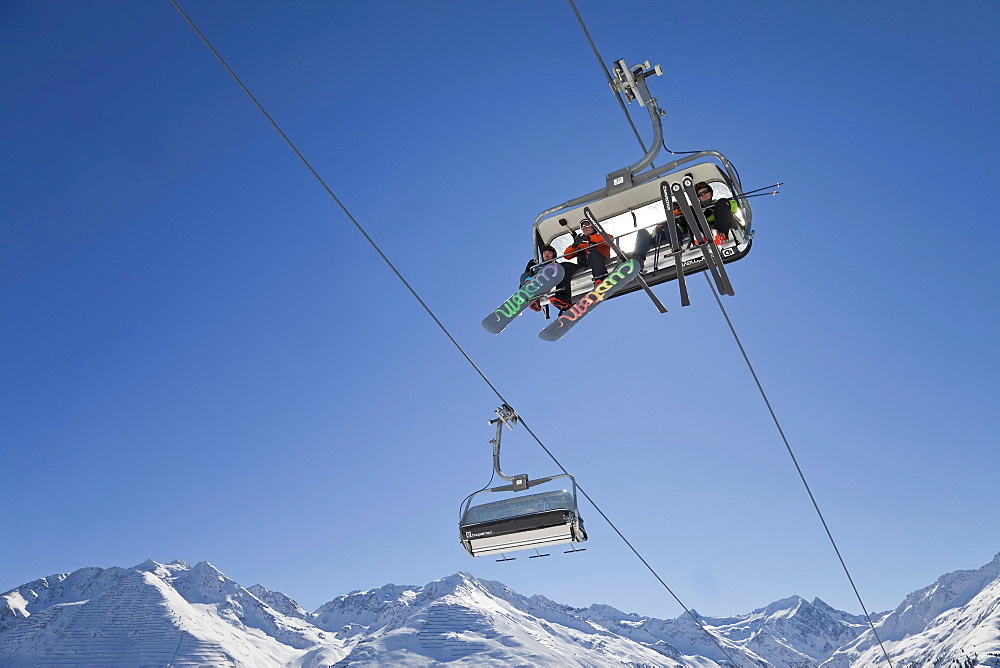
536, 527
630, 189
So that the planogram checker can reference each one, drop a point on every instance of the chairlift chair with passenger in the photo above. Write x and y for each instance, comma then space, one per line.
633, 200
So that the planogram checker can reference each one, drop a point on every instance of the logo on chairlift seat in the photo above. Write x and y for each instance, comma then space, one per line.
694, 260
469, 534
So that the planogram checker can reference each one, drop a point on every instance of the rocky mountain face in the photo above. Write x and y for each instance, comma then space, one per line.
180, 615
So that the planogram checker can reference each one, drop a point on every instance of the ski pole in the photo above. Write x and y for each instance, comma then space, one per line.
756, 190
775, 192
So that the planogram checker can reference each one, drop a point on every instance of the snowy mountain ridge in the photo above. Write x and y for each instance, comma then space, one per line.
180, 615
953, 622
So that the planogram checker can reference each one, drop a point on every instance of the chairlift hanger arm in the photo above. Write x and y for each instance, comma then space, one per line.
519, 482
631, 82
506, 416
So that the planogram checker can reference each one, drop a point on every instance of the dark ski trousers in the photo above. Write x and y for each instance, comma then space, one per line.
724, 219
593, 260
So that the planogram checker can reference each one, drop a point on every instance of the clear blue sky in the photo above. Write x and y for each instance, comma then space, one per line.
203, 359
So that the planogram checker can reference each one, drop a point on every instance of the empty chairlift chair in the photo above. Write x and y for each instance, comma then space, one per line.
523, 521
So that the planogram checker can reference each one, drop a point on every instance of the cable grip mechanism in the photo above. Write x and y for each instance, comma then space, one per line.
631, 81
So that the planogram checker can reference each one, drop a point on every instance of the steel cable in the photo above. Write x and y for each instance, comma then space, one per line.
795, 461
607, 75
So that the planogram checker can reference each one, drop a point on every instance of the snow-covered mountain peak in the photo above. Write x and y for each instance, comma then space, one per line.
204, 583
820, 604
151, 566
391, 604
177, 605
280, 602
949, 591
784, 607
956, 618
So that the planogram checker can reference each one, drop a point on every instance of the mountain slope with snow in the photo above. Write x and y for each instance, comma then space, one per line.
150, 614
478, 622
953, 622
180, 615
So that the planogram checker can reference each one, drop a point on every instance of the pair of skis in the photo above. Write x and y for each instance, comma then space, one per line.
701, 234
547, 278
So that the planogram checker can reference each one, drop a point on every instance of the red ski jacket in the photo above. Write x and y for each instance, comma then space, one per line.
596, 242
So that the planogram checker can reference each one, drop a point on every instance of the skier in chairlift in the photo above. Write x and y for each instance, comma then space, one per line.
590, 251
549, 254
718, 213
